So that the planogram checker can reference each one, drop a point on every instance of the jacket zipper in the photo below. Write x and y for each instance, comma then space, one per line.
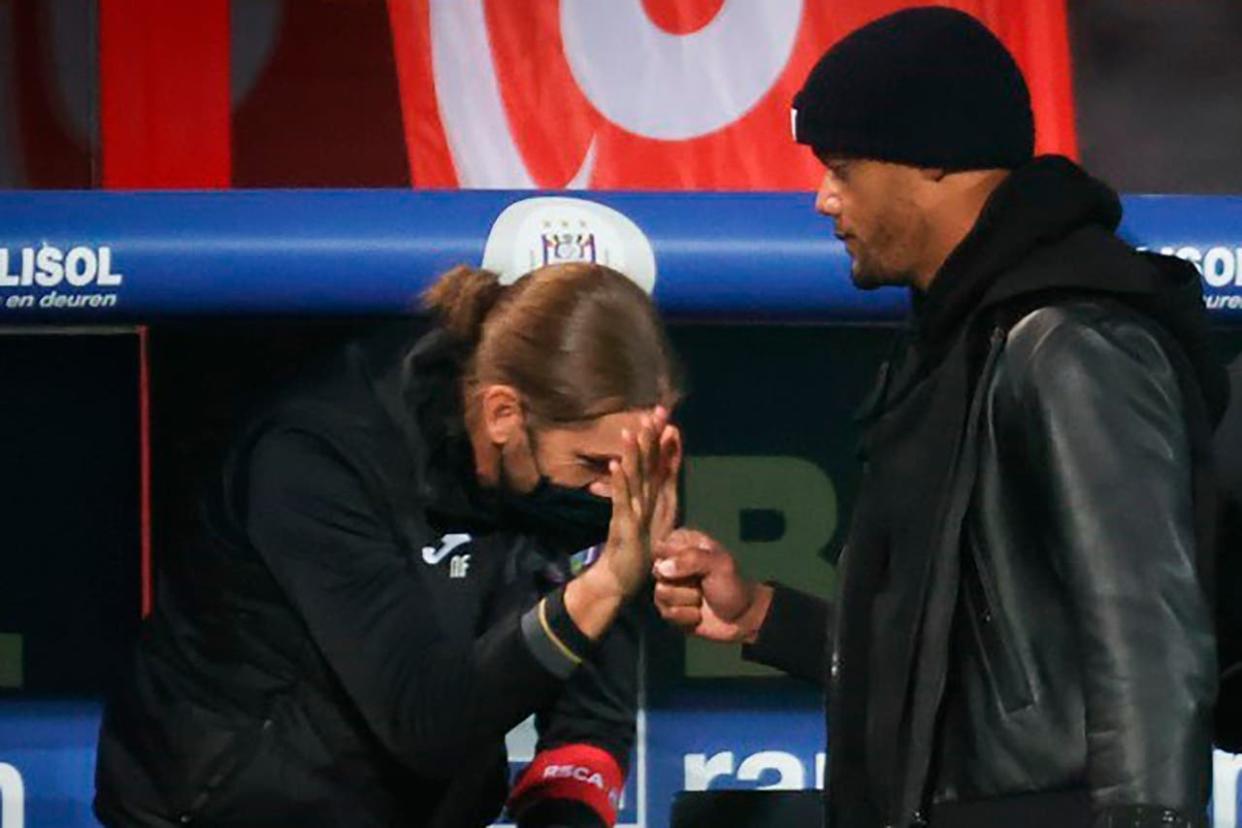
914, 791
987, 618
992, 636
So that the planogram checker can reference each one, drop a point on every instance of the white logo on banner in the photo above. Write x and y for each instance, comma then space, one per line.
50, 266
547, 230
702, 770
58, 277
674, 87
12, 798
642, 78
470, 105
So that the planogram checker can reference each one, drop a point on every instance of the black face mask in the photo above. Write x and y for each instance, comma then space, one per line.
575, 517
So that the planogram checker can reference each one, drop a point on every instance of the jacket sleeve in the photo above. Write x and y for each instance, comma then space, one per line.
794, 636
596, 709
599, 703
428, 699
1108, 459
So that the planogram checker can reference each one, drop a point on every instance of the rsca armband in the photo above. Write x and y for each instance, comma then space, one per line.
579, 772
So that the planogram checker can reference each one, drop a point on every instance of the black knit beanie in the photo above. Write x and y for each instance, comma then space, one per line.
928, 87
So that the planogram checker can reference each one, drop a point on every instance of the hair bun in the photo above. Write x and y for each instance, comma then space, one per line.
462, 298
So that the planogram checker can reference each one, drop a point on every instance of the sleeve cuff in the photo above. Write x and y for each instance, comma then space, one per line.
576, 774
794, 635
553, 638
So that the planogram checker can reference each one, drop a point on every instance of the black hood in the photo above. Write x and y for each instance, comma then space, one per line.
1040, 205
417, 382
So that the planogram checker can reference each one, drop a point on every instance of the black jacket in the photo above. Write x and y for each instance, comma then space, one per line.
352, 634
1021, 626
1228, 445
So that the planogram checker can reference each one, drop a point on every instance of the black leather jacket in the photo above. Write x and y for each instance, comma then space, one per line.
1085, 655
1083, 658
1035, 637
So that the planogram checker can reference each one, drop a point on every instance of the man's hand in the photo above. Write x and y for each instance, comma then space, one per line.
699, 589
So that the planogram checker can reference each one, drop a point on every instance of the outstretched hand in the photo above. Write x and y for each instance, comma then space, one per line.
644, 498
644, 509
664, 519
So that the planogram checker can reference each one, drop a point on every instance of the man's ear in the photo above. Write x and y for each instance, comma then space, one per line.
503, 416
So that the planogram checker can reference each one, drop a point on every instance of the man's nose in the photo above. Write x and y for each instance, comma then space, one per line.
827, 199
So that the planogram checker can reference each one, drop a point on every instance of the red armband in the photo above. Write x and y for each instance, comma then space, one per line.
583, 773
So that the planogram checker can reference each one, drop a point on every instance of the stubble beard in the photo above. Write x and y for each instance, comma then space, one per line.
878, 264
868, 274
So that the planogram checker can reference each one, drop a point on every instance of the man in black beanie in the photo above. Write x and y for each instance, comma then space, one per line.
1022, 633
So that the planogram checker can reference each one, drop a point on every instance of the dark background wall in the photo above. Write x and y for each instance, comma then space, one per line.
1158, 88
69, 510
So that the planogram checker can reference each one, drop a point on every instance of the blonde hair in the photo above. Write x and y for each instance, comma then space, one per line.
577, 340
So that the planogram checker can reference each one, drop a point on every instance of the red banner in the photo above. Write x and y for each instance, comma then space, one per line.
653, 94
164, 93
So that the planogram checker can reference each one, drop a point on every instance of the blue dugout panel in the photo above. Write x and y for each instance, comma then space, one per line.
47, 760
106, 256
